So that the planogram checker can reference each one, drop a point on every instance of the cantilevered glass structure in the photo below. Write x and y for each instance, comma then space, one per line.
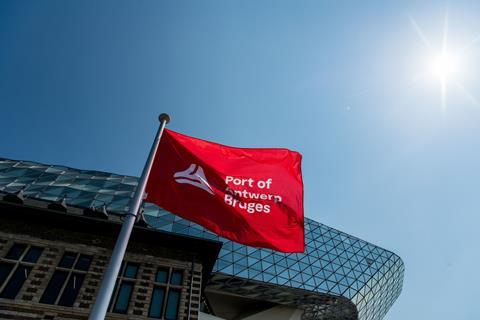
338, 277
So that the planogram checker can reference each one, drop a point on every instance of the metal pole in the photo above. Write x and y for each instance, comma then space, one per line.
191, 288
104, 295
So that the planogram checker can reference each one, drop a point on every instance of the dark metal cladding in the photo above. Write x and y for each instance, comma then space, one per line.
338, 277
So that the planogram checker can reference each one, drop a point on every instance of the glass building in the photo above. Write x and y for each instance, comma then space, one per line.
337, 277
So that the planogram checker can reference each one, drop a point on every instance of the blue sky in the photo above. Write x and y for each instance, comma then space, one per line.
346, 83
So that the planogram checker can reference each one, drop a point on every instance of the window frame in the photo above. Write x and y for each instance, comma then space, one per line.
167, 287
19, 263
121, 279
71, 271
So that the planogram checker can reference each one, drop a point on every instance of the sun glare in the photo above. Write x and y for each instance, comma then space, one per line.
445, 65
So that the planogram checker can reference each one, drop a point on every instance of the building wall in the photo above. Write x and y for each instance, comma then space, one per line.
26, 304
277, 313
274, 313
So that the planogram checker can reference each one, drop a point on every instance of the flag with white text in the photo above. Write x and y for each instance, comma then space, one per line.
250, 196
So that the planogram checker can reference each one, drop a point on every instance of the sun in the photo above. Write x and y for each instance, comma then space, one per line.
445, 65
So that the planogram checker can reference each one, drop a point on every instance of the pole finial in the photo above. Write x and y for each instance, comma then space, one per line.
164, 117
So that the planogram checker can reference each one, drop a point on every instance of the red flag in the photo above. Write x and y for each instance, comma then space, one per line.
250, 196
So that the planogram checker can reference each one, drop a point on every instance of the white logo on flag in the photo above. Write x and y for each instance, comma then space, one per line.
194, 176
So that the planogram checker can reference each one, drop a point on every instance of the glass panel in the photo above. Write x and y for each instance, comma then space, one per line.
32, 254
176, 278
71, 290
157, 303
16, 282
67, 260
83, 262
5, 269
172, 304
130, 271
16, 251
121, 305
162, 275
54, 286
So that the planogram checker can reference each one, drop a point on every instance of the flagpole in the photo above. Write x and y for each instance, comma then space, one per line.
104, 295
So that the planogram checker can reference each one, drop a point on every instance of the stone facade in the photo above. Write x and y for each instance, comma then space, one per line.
55, 242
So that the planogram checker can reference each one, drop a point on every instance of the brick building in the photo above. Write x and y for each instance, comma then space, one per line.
52, 258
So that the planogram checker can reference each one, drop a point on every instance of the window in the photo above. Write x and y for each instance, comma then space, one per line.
67, 279
166, 294
124, 288
16, 267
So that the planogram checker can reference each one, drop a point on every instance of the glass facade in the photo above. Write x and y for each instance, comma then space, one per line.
338, 277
